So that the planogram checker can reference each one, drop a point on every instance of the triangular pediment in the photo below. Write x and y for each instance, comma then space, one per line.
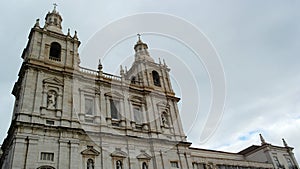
91, 89
90, 151
114, 95
54, 80
118, 153
136, 99
144, 156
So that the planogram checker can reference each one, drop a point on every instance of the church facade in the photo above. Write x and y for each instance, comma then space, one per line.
70, 117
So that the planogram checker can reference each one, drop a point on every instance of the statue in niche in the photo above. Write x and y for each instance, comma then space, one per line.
119, 164
90, 164
164, 119
144, 166
51, 99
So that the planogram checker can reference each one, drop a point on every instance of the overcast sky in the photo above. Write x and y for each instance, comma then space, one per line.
257, 41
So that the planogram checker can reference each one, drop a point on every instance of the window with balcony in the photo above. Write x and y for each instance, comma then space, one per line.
55, 51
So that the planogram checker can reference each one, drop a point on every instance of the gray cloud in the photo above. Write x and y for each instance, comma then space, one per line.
258, 42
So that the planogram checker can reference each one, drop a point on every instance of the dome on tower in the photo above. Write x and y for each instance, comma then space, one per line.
53, 21
141, 51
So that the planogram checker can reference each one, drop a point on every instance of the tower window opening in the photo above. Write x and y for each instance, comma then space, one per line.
156, 78
133, 80
55, 51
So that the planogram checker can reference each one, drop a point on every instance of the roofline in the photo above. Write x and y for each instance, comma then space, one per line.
217, 151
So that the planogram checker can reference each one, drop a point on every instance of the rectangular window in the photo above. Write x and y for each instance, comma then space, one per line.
276, 161
89, 106
115, 109
47, 156
199, 166
174, 164
138, 116
50, 122
290, 164
89, 120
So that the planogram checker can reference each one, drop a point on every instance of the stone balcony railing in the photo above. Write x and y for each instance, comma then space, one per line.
55, 59
96, 73
110, 76
88, 71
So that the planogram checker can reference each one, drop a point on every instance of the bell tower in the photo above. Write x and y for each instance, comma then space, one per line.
43, 98
154, 80
145, 71
50, 60
49, 46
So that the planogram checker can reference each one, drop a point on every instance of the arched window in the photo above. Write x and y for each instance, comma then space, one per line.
55, 21
90, 164
156, 78
119, 164
46, 167
133, 79
55, 50
144, 165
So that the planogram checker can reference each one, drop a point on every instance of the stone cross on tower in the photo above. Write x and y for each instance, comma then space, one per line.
55, 5
139, 36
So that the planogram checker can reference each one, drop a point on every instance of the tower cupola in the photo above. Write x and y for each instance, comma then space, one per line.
53, 21
141, 51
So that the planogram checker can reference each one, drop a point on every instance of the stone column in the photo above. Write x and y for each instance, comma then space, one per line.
74, 154
20, 156
63, 154
97, 109
128, 108
108, 116
122, 113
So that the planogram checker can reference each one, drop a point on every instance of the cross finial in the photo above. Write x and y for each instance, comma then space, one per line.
284, 143
55, 5
139, 36
262, 140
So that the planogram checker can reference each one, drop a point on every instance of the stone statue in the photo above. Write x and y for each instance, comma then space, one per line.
144, 166
51, 100
90, 164
164, 119
118, 164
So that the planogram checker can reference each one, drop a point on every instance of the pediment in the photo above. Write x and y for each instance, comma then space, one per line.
90, 89
118, 153
114, 95
163, 104
136, 99
54, 80
90, 151
144, 156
